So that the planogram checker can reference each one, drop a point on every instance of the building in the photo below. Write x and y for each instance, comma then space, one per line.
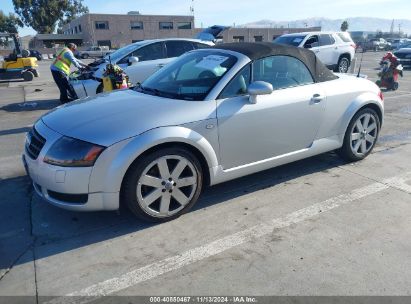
119, 30
241, 34
116, 30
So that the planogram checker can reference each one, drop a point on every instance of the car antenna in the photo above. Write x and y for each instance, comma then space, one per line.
359, 69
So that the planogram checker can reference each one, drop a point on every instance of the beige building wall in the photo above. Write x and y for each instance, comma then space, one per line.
119, 32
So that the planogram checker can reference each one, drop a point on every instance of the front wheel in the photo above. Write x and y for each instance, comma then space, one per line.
361, 135
163, 185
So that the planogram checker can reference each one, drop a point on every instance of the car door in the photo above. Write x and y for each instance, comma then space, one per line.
328, 50
151, 58
280, 123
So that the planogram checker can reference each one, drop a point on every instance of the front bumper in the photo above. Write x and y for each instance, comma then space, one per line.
65, 187
405, 62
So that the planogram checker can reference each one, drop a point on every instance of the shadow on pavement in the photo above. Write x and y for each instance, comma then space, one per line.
67, 230
14, 131
35, 105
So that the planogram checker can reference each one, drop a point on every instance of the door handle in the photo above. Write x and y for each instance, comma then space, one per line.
317, 98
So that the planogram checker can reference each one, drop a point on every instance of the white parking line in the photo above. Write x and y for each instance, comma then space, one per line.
396, 96
191, 256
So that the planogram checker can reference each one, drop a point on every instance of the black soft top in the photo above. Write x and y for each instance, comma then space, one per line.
258, 50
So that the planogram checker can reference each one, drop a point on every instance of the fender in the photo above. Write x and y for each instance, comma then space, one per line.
110, 167
359, 102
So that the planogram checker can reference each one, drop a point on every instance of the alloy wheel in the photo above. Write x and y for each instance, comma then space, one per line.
363, 134
343, 66
166, 186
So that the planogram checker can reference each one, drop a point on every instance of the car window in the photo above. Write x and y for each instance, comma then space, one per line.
290, 40
239, 84
177, 48
152, 51
326, 39
345, 37
311, 42
281, 72
198, 45
191, 77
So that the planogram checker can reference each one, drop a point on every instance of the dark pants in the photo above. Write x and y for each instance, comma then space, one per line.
61, 80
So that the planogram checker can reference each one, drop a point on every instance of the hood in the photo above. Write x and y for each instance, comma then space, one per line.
111, 117
211, 33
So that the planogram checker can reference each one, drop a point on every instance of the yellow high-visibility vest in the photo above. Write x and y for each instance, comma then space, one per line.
61, 62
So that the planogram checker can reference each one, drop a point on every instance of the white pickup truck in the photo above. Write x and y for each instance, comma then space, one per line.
94, 52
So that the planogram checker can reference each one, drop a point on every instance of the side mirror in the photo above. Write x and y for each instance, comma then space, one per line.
132, 60
259, 88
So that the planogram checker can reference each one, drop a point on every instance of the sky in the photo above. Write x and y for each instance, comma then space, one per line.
229, 12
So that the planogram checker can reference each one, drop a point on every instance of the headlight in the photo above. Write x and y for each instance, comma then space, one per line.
70, 152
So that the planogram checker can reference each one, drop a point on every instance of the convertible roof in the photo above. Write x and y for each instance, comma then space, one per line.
258, 50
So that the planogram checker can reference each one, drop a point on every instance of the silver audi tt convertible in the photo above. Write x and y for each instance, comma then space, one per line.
210, 116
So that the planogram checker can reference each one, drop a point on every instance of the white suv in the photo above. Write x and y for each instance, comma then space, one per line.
335, 49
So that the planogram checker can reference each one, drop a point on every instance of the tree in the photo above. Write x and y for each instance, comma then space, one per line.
9, 23
75, 10
344, 26
43, 15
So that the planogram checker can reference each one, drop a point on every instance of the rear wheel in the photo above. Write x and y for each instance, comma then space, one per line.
343, 65
361, 135
395, 86
163, 185
28, 76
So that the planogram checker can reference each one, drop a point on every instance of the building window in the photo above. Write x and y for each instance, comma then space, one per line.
75, 29
79, 28
184, 25
136, 25
258, 38
238, 38
166, 25
104, 43
101, 25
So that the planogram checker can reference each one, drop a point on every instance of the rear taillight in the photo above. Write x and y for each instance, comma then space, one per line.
381, 96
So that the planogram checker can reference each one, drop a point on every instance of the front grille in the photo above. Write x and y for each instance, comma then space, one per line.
34, 143
402, 55
69, 198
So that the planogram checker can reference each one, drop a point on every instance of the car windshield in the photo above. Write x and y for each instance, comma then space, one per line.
190, 77
120, 53
289, 40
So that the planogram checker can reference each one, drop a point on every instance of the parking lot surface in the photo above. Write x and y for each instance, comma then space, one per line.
315, 227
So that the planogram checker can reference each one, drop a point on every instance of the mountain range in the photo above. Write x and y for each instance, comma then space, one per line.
355, 24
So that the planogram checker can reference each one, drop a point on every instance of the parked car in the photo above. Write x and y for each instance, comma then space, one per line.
138, 60
404, 56
94, 52
396, 43
37, 54
210, 116
335, 49
377, 44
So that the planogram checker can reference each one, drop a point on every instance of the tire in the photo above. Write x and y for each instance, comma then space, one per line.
358, 149
36, 73
151, 187
28, 76
343, 65
394, 86
100, 89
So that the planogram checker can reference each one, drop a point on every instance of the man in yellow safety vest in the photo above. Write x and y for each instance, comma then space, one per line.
60, 69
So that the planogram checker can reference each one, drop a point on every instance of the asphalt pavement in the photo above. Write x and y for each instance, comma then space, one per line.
318, 227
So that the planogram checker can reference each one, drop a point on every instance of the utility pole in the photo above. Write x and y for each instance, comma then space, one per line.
392, 28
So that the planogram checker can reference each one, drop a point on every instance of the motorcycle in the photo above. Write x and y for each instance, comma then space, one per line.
389, 75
